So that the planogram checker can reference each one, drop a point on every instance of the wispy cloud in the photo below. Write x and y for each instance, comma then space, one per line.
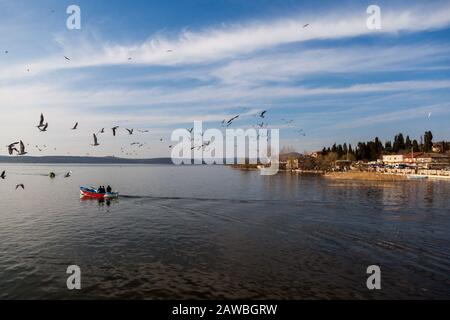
214, 44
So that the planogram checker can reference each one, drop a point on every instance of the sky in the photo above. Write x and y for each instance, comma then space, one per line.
198, 60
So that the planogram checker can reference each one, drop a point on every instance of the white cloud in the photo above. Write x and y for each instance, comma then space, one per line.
215, 44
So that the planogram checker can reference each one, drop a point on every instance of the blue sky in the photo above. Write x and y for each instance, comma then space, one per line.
336, 79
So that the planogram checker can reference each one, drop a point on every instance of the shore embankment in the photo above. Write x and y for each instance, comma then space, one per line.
367, 176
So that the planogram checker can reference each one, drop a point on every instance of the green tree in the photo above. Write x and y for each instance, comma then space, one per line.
428, 141
415, 145
408, 143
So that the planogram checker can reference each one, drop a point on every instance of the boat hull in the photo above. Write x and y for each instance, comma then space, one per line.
93, 194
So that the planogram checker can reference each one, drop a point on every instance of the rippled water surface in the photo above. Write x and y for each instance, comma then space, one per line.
215, 232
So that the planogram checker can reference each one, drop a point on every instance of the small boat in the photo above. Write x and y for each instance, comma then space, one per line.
91, 192
416, 177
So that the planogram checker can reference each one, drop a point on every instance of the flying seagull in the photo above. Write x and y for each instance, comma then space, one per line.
229, 122
66, 58
114, 130
41, 121
95, 141
262, 114
22, 149
68, 174
20, 186
44, 128
3, 175
102, 131
75, 126
305, 25
12, 148
130, 131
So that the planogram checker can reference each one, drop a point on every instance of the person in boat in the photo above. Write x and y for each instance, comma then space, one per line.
101, 189
108, 189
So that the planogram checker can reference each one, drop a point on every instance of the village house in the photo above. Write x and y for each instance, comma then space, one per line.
437, 147
393, 159
411, 158
433, 161
292, 164
420, 160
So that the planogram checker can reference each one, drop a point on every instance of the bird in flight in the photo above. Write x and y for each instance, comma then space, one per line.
229, 122
114, 130
44, 128
143, 131
102, 131
75, 126
22, 149
68, 174
262, 114
41, 121
20, 186
12, 148
3, 175
305, 25
67, 58
95, 141
130, 131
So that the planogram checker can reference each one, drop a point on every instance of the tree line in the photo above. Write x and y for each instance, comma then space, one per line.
373, 150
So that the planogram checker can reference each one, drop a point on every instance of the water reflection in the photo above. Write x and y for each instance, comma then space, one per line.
216, 232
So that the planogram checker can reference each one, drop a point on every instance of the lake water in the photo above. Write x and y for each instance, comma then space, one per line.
215, 232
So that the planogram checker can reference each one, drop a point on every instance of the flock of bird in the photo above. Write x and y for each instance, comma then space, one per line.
19, 147
20, 150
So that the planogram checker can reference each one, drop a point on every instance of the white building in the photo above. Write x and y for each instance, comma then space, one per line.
393, 159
